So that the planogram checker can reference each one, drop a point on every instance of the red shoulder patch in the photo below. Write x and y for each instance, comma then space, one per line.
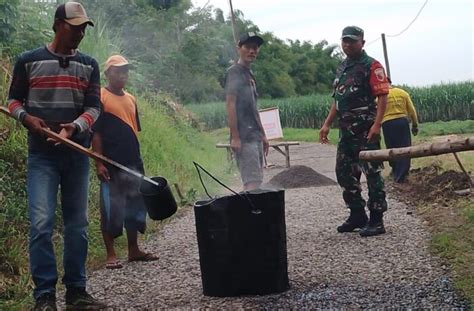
379, 74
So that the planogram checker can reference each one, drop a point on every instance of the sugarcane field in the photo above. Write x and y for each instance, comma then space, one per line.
236, 155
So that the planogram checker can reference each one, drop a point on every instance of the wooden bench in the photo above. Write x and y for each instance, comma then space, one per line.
274, 144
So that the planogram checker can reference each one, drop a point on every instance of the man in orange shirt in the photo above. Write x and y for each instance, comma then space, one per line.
115, 136
396, 128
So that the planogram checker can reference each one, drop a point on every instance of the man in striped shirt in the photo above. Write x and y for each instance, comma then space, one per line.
57, 87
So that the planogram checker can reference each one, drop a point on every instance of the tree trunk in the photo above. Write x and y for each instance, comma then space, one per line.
425, 150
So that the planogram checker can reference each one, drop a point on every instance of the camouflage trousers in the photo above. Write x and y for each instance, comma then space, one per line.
349, 169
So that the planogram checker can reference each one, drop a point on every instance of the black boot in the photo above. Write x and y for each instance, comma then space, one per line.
46, 302
357, 219
374, 226
78, 299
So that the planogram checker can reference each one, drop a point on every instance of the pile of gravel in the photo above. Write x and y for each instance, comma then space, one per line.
299, 176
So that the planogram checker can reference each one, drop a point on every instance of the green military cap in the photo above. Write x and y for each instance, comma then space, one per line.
353, 32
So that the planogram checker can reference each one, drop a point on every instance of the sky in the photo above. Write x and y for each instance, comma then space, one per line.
436, 48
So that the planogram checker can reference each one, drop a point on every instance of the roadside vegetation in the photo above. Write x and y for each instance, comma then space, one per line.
444, 102
426, 131
441, 102
453, 240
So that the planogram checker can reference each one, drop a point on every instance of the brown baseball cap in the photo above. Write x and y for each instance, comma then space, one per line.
115, 61
73, 13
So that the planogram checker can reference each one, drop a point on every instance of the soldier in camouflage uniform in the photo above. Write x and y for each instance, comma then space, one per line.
360, 94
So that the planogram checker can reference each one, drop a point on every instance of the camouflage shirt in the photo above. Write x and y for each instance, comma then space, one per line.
357, 84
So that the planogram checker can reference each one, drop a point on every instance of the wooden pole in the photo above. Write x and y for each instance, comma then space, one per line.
471, 181
96, 156
235, 31
450, 146
385, 55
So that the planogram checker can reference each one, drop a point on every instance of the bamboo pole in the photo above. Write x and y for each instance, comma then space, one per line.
419, 151
235, 31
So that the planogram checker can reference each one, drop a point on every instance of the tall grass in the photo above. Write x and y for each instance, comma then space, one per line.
13, 212
438, 128
99, 42
295, 112
443, 102
301, 112
170, 145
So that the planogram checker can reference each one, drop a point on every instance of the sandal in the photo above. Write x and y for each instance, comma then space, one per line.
113, 265
144, 257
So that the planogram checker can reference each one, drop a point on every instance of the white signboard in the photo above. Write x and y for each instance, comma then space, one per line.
270, 118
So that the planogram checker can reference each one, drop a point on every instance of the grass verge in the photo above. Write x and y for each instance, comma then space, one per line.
452, 221
453, 239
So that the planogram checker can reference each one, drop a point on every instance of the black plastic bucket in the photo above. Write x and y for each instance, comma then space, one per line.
242, 243
159, 200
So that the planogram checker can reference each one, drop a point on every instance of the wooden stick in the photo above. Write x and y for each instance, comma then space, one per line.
463, 144
88, 152
178, 191
471, 181
235, 31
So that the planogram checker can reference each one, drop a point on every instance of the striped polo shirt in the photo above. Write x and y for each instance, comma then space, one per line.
58, 89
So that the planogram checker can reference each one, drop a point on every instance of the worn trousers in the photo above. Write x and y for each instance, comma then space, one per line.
69, 171
349, 169
397, 134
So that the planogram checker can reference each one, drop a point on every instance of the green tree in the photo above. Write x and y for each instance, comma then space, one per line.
8, 15
178, 49
33, 26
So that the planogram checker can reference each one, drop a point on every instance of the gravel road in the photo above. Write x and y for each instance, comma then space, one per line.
327, 270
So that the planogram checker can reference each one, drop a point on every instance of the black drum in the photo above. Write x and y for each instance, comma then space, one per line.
242, 243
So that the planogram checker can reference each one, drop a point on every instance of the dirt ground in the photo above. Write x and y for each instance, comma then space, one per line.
429, 185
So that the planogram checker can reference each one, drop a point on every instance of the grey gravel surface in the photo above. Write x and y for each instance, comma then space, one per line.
327, 270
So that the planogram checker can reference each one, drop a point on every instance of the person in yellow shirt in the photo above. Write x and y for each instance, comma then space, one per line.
396, 128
